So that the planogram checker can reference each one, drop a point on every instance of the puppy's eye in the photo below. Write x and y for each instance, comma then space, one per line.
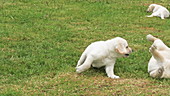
127, 46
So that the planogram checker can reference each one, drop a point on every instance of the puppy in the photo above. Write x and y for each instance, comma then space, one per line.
159, 64
103, 53
158, 11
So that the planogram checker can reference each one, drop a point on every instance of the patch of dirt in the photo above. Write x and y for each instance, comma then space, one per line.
104, 85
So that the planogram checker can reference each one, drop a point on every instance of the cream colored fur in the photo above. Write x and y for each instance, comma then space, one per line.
158, 11
159, 64
103, 53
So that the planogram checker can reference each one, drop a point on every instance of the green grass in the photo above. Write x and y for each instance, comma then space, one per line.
42, 40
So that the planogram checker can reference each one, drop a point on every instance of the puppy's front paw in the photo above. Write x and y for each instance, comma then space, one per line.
149, 16
162, 18
152, 48
114, 77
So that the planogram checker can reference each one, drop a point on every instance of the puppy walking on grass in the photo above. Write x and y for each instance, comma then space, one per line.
159, 64
158, 11
103, 53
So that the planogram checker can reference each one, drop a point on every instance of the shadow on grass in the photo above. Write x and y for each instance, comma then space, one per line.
94, 72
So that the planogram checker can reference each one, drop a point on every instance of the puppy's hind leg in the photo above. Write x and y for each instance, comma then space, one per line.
151, 38
86, 65
162, 17
81, 60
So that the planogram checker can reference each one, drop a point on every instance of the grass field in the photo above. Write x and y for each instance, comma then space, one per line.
42, 40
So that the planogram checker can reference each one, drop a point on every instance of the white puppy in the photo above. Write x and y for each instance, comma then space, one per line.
159, 64
158, 11
103, 53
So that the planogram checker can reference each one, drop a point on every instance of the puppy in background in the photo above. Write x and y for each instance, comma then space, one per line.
158, 11
159, 64
103, 53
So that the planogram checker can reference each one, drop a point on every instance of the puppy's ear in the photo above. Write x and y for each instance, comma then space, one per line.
119, 49
150, 9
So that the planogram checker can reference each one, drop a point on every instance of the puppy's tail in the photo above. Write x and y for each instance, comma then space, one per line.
151, 38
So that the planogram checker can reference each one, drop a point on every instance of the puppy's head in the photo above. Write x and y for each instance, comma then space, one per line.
122, 47
151, 7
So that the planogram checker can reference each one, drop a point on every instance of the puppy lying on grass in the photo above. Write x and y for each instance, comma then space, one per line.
103, 53
158, 11
159, 64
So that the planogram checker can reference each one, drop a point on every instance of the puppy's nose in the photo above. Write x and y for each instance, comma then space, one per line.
126, 54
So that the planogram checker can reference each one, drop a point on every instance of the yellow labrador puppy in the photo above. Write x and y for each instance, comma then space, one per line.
158, 11
103, 53
159, 64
